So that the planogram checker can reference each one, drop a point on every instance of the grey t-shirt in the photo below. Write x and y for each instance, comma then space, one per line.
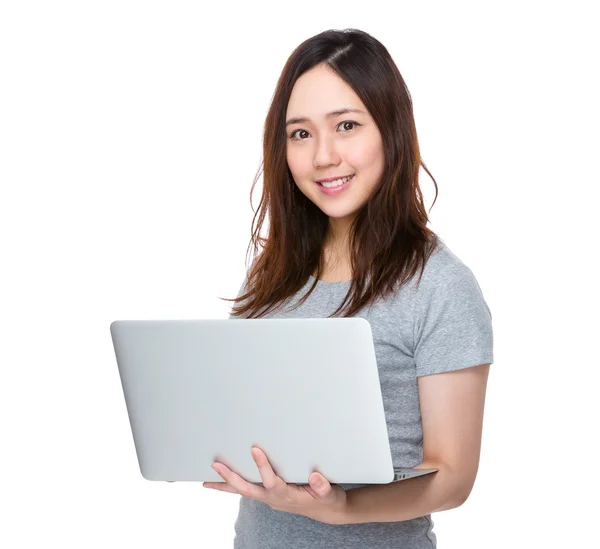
443, 325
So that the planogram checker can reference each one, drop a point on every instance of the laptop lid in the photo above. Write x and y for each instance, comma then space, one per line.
307, 391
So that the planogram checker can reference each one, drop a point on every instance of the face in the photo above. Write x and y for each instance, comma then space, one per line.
321, 145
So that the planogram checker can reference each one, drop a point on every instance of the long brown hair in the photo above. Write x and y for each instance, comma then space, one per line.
388, 238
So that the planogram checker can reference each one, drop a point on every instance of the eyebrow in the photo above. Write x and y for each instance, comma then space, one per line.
331, 114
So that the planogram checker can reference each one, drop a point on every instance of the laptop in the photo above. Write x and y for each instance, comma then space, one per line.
306, 390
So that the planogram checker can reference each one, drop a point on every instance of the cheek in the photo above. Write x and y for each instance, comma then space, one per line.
299, 164
366, 158
292, 161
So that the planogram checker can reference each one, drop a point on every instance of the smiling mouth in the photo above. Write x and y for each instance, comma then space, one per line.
336, 182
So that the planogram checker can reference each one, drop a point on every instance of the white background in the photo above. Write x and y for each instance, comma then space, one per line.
130, 133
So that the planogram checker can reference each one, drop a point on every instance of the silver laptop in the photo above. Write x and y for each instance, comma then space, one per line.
305, 390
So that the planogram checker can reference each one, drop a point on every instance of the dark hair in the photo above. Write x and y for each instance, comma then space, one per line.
388, 238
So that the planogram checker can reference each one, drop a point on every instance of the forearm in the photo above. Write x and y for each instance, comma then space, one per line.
407, 499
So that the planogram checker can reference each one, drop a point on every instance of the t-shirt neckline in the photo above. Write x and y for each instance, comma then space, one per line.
339, 282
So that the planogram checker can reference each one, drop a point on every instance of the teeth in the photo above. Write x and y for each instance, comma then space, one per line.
336, 183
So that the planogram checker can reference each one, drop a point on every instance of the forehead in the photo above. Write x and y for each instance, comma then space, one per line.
319, 91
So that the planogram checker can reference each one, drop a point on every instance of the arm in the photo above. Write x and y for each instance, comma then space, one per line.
452, 406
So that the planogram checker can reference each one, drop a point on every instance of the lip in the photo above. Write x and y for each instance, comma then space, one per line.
326, 180
335, 190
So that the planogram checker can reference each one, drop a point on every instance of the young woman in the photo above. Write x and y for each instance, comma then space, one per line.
347, 236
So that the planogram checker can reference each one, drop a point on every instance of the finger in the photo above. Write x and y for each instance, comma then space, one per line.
221, 487
307, 488
319, 484
269, 479
246, 489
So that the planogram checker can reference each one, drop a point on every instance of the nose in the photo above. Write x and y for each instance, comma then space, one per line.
325, 153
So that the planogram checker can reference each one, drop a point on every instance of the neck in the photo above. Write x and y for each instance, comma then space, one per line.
338, 233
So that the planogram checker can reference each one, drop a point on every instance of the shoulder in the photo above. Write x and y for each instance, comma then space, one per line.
447, 287
442, 269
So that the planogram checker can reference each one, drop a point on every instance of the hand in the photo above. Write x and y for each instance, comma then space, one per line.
319, 500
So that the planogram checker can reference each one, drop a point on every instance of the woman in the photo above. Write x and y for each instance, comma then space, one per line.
347, 235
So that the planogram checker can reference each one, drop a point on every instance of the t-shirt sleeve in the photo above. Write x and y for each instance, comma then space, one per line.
453, 323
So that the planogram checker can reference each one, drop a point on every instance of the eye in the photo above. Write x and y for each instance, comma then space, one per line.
295, 132
349, 122
344, 122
